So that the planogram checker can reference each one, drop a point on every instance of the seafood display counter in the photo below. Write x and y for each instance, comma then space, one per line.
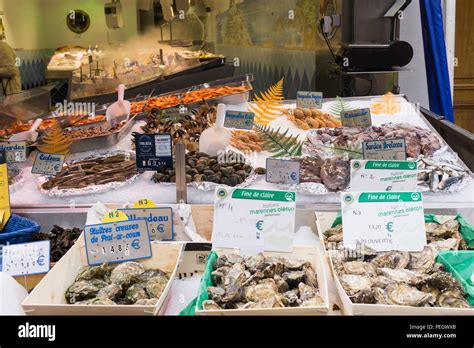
443, 178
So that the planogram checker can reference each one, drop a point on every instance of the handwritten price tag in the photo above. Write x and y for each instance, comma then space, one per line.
239, 119
15, 150
309, 100
117, 241
48, 164
285, 172
27, 258
356, 118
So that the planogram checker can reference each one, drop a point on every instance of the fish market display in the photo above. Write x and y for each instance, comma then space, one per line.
189, 97
128, 283
187, 128
256, 282
400, 278
419, 141
92, 172
436, 175
312, 118
230, 170
62, 239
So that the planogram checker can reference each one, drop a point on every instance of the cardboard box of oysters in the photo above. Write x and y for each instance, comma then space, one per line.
403, 283
268, 283
139, 287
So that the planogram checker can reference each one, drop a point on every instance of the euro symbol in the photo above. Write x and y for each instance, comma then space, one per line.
389, 227
40, 260
293, 176
259, 225
136, 244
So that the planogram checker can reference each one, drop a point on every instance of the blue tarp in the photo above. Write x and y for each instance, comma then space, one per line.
435, 57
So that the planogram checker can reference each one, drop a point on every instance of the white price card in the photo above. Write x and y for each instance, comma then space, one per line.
239, 119
160, 221
356, 118
388, 149
367, 175
309, 100
254, 220
48, 163
15, 150
384, 221
281, 171
117, 241
27, 258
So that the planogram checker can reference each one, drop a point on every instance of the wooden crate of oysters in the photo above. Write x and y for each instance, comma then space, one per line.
395, 282
138, 287
269, 283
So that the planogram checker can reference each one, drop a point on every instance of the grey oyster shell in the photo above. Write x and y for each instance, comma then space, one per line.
88, 273
403, 276
423, 261
210, 305
126, 273
354, 283
84, 290
392, 259
135, 292
405, 295
156, 285
360, 268
452, 299
110, 292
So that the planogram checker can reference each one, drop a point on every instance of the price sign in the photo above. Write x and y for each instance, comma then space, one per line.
356, 118
153, 151
389, 149
283, 171
309, 100
239, 119
384, 221
4, 191
47, 164
383, 175
117, 242
15, 151
160, 221
27, 258
254, 220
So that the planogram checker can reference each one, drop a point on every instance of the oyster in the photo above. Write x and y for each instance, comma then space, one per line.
135, 292
392, 259
255, 263
452, 299
215, 293
365, 296
111, 292
218, 276
354, 283
126, 273
444, 281
405, 295
292, 297
310, 276
89, 273
423, 261
360, 268
306, 292
382, 281
403, 276
155, 286
446, 244
210, 305
233, 283
83, 290
282, 285
295, 265
294, 278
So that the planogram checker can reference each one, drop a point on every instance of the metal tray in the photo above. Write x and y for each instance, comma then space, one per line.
102, 141
236, 98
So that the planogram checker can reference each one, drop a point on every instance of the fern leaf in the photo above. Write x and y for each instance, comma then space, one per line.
267, 105
55, 141
280, 144
338, 106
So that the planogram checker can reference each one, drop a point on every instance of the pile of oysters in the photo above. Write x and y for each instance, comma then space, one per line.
259, 281
400, 278
128, 283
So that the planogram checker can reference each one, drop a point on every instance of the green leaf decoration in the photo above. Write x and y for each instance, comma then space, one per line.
353, 151
338, 106
280, 144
